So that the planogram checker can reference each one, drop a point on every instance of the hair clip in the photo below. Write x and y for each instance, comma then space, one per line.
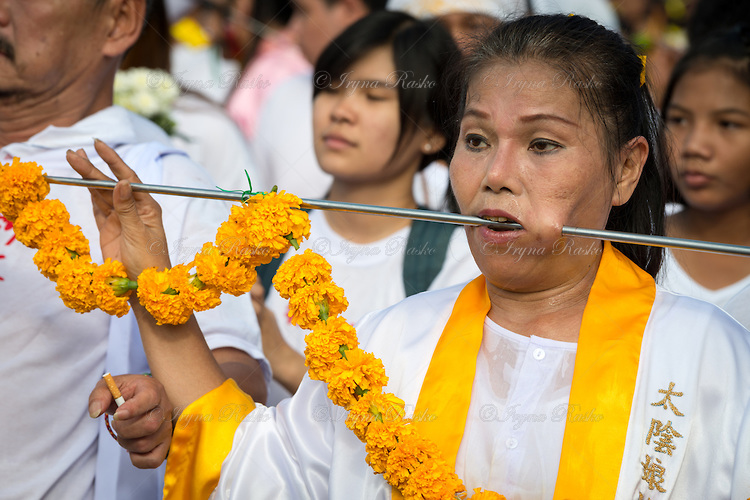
643, 70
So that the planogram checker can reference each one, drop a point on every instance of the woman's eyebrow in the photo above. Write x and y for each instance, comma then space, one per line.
547, 116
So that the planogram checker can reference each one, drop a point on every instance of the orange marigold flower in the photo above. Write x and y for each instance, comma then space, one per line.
433, 480
20, 184
236, 238
74, 285
410, 453
382, 438
60, 246
325, 344
353, 376
227, 274
197, 295
373, 407
300, 271
486, 495
316, 303
102, 282
39, 218
156, 294
283, 208
262, 228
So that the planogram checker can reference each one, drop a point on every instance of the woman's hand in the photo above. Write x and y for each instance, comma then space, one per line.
143, 423
130, 225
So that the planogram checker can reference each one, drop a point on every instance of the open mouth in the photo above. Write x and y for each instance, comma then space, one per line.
502, 223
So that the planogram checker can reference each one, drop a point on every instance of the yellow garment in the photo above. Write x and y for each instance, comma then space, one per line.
605, 371
201, 441
189, 31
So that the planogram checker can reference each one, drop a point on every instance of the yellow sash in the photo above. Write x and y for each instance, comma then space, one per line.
605, 371
201, 441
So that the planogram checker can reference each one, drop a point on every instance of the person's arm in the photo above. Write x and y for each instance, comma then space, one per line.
244, 369
129, 224
288, 365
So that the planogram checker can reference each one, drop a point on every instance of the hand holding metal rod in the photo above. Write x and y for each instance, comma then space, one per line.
448, 218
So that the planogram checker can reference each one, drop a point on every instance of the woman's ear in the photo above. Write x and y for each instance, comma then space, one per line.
632, 159
434, 142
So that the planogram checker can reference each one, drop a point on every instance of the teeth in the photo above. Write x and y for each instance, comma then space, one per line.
496, 219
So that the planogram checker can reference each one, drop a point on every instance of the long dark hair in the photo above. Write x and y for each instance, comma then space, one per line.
605, 71
422, 53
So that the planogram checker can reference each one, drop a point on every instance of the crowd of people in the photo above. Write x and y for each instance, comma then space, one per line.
537, 365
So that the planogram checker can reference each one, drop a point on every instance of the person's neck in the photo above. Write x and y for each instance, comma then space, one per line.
368, 228
555, 312
727, 226
21, 117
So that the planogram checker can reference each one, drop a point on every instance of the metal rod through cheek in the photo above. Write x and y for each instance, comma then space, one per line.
449, 218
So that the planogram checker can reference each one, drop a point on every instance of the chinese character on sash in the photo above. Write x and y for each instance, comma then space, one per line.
663, 435
668, 393
653, 474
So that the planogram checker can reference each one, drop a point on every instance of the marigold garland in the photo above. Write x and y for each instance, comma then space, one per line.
355, 381
262, 228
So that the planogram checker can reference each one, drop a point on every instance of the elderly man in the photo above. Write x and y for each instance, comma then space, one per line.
58, 59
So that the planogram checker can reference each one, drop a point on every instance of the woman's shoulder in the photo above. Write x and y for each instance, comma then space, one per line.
691, 325
411, 317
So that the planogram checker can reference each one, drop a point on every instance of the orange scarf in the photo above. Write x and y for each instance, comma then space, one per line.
604, 376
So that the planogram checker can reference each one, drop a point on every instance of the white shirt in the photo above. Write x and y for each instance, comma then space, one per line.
204, 70
734, 298
52, 357
302, 449
517, 414
210, 137
283, 145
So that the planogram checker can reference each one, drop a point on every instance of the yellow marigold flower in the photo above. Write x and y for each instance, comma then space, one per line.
411, 452
263, 228
299, 271
102, 287
353, 376
20, 184
74, 285
373, 407
325, 344
222, 272
160, 299
486, 495
382, 438
316, 303
197, 295
283, 208
39, 218
60, 246
433, 480
252, 246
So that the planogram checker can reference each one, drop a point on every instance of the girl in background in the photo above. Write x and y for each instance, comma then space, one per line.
378, 119
707, 112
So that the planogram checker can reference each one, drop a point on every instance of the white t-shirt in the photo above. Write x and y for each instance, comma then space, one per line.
735, 298
210, 137
52, 357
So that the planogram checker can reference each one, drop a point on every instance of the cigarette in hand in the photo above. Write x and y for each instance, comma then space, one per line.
113, 389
